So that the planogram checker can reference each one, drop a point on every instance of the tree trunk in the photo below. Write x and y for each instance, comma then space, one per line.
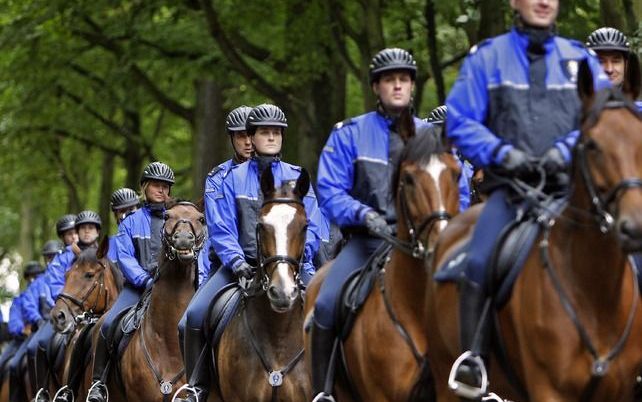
612, 12
210, 143
106, 188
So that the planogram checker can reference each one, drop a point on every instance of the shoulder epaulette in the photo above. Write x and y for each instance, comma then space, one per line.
481, 44
343, 123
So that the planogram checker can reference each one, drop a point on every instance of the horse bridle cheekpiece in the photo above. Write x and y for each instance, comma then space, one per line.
199, 240
87, 313
601, 202
263, 262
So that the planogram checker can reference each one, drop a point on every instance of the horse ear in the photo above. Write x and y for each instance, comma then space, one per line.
103, 248
406, 124
585, 82
267, 183
302, 185
631, 87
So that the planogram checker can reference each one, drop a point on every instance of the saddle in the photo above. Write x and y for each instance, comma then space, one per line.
510, 254
356, 289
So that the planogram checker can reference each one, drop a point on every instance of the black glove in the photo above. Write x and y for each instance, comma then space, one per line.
376, 224
244, 270
517, 162
553, 161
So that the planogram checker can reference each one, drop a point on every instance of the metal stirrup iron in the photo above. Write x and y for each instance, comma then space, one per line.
187, 388
462, 389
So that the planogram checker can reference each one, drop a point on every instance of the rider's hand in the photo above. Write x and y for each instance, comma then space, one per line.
244, 270
553, 161
376, 224
517, 162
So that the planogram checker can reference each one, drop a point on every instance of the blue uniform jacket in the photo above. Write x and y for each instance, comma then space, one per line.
31, 299
236, 213
490, 107
137, 259
355, 170
16, 320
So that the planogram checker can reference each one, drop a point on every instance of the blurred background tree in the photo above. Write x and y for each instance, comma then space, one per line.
91, 91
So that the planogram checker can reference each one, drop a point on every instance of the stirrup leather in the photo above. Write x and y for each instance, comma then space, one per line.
97, 384
187, 388
323, 397
462, 389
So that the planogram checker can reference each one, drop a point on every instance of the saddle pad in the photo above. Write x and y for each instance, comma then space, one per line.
357, 288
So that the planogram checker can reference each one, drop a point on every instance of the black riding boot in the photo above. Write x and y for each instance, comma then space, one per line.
468, 377
197, 365
98, 391
323, 349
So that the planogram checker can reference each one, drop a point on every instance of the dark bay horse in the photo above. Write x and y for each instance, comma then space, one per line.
572, 329
92, 284
263, 343
151, 367
386, 348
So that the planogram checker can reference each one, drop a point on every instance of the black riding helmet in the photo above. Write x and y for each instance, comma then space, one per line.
123, 198
392, 59
157, 171
32, 268
237, 118
65, 223
438, 115
88, 217
607, 38
52, 247
265, 115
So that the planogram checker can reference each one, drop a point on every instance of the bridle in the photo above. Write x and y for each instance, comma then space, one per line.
414, 247
88, 313
263, 262
199, 239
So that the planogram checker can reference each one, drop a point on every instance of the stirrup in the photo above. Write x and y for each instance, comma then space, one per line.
42, 393
323, 397
465, 390
64, 389
187, 388
98, 384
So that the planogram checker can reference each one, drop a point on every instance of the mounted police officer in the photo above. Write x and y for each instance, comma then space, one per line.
123, 202
137, 244
232, 230
613, 49
23, 316
51, 249
87, 226
355, 171
514, 101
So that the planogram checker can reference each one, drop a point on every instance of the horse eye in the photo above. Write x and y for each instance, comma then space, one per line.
89, 275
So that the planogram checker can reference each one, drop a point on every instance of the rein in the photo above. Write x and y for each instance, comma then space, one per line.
87, 313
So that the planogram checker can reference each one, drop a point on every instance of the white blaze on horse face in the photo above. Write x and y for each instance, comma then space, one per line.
435, 168
280, 217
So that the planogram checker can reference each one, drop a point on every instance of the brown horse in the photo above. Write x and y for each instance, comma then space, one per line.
152, 363
385, 350
572, 328
259, 354
92, 284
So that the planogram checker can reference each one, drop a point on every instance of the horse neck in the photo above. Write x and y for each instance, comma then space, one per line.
170, 296
283, 329
591, 263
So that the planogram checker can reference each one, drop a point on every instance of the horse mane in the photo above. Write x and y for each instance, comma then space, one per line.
426, 142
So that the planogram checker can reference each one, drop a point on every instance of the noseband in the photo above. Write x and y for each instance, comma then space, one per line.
263, 262
170, 251
87, 313
601, 203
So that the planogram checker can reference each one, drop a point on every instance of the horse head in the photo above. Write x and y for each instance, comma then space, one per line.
608, 157
183, 231
280, 235
427, 192
91, 286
